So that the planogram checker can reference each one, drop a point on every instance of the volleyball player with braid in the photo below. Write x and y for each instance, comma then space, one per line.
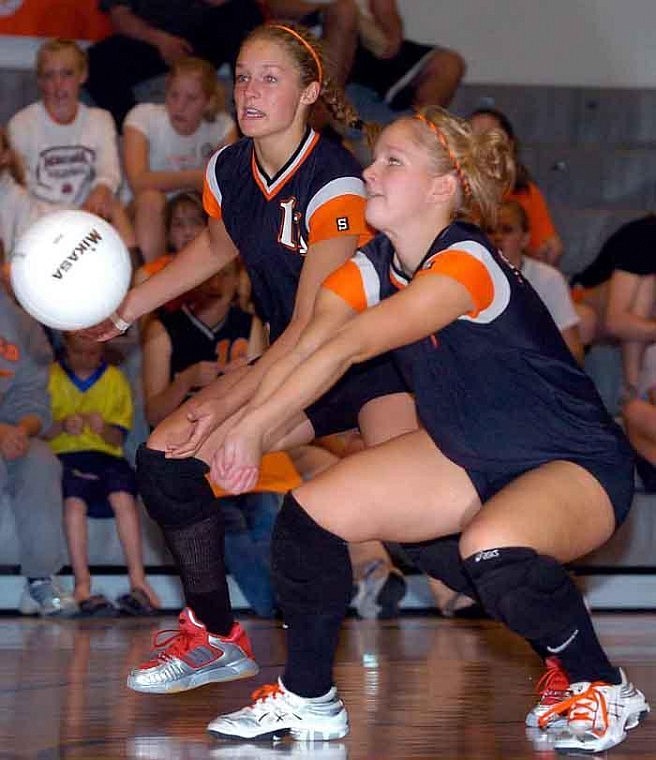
517, 453
291, 203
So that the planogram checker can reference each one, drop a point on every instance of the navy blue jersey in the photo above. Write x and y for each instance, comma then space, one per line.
496, 388
193, 341
316, 196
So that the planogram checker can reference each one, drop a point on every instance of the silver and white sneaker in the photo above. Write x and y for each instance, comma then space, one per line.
599, 714
47, 598
276, 712
190, 657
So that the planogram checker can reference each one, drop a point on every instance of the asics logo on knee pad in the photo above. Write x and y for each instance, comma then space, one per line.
487, 554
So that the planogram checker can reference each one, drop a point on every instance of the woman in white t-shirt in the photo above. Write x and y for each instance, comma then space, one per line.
167, 146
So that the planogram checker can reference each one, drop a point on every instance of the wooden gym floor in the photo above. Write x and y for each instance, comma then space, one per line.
418, 687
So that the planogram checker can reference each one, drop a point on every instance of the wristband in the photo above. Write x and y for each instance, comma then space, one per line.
119, 323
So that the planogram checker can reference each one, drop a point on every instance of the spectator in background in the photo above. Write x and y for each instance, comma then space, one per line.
619, 288
639, 414
67, 150
92, 411
150, 35
17, 209
184, 219
544, 243
511, 235
29, 472
364, 39
166, 147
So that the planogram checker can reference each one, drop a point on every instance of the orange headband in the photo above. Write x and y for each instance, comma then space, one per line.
452, 156
307, 46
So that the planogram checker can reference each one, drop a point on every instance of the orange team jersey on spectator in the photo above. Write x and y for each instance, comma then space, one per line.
539, 219
153, 267
72, 19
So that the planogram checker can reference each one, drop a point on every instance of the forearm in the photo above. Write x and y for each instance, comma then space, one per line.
160, 405
627, 326
167, 181
196, 263
112, 434
316, 375
125, 22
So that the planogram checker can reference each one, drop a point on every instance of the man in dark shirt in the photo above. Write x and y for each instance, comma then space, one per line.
150, 35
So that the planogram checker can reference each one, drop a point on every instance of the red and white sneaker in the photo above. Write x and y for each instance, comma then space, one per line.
276, 712
190, 657
553, 688
599, 714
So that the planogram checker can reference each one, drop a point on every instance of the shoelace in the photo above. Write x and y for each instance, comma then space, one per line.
172, 642
266, 691
584, 706
553, 683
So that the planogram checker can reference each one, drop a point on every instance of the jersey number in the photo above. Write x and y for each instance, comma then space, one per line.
290, 227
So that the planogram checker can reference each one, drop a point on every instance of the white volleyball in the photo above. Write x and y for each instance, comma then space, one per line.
70, 270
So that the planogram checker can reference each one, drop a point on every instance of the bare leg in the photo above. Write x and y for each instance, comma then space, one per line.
149, 223
75, 528
340, 34
439, 79
129, 533
120, 219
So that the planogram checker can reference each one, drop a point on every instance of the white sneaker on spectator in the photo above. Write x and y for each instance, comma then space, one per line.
47, 598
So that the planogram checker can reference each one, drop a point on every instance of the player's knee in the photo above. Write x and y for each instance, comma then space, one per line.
529, 592
175, 492
311, 566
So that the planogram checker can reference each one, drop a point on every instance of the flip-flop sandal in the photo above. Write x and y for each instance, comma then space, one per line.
136, 603
97, 606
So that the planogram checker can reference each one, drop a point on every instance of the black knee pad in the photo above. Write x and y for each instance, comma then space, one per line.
529, 592
441, 560
175, 492
311, 566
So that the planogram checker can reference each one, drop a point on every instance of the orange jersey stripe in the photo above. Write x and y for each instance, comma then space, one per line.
210, 203
468, 271
340, 216
277, 474
346, 282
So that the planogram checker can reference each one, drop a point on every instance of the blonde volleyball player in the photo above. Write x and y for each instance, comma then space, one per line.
518, 453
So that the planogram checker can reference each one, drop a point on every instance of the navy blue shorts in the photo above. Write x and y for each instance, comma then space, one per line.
337, 410
616, 478
92, 475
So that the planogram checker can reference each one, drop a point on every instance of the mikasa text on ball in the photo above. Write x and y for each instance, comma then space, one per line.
70, 270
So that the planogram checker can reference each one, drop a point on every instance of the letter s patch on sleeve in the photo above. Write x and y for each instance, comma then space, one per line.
342, 223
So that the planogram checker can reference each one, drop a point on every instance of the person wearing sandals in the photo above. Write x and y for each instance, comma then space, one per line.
92, 411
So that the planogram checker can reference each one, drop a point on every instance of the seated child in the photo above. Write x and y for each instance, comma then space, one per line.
92, 411
166, 147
